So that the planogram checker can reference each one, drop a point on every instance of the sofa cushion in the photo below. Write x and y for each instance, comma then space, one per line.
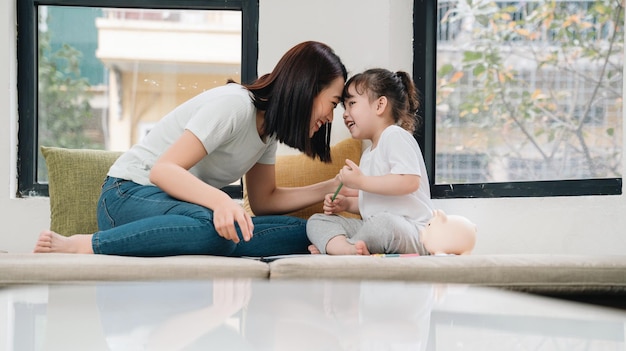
300, 170
27, 268
75, 177
559, 275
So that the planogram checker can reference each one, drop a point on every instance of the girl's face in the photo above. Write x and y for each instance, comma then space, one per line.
360, 114
324, 104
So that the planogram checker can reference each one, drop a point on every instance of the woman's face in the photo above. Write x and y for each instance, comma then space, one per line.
324, 104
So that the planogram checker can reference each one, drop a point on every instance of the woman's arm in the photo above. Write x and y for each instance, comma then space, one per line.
266, 198
171, 174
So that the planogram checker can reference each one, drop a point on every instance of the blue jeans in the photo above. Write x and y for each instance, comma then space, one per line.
139, 220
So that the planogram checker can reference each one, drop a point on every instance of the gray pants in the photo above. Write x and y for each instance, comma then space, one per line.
383, 234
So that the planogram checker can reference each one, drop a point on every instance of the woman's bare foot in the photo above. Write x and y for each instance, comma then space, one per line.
313, 250
50, 241
361, 248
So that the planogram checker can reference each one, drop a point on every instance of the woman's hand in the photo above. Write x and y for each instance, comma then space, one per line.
226, 215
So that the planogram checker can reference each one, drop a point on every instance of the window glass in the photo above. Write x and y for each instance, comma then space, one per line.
107, 78
528, 90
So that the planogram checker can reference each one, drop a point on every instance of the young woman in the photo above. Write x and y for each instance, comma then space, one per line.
163, 197
393, 192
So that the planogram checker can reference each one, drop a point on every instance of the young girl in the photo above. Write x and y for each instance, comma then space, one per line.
163, 197
393, 191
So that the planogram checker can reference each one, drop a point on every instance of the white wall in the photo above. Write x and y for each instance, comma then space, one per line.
20, 219
370, 33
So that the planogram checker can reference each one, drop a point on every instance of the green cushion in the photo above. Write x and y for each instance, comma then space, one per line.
75, 177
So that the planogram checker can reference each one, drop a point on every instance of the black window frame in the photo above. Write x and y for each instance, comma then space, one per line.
424, 73
27, 44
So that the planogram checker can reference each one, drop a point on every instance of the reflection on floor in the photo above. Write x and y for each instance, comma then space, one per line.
243, 314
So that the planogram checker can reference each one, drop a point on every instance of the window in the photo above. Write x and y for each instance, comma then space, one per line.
521, 98
104, 80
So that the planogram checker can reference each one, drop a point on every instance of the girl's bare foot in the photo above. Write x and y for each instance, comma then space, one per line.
313, 250
339, 245
50, 241
361, 248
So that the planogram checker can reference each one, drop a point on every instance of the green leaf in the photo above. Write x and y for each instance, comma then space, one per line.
445, 69
479, 69
469, 56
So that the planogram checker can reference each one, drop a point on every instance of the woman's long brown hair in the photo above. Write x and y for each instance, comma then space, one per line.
287, 93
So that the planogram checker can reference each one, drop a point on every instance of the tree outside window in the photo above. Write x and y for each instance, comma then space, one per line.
529, 90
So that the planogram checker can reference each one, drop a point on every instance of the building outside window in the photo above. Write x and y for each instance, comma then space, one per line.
125, 80
105, 80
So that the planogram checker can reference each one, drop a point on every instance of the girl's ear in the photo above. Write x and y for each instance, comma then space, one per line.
381, 105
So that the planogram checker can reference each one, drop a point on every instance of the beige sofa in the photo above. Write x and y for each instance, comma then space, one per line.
75, 177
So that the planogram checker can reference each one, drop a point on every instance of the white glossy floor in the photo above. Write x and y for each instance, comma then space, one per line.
298, 315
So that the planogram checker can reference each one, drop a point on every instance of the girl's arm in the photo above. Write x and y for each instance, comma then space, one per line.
171, 174
266, 198
389, 184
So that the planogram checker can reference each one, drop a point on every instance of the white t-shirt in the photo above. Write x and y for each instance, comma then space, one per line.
223, 119
397, 152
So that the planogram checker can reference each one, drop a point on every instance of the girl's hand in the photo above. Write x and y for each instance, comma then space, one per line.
350, 174
226, 215
340, 204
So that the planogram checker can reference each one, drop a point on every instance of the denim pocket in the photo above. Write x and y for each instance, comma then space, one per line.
110, 183
105, 221
124, 186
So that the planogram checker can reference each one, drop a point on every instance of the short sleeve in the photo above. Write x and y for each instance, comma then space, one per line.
403, 153
216, 122
269, 156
